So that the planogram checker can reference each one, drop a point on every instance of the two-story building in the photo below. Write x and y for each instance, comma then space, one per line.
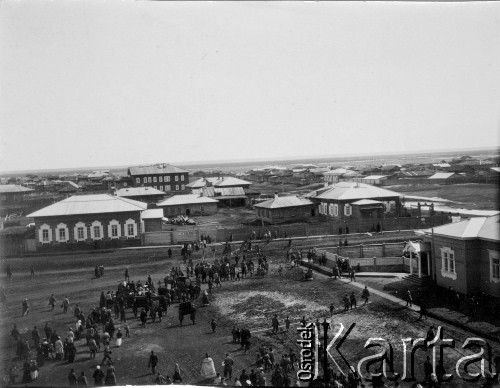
163, 177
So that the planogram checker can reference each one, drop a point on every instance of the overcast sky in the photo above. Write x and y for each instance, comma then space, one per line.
124, 83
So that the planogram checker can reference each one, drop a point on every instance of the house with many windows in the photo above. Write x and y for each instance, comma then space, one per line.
163, 177
355, 201
467, 255
95, 220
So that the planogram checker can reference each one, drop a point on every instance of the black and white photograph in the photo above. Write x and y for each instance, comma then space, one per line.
250, 193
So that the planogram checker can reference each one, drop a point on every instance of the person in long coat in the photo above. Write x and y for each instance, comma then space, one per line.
208, 368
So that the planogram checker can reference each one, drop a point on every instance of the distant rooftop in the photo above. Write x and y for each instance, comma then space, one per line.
138, 192
155, 169
282, 202
13, 189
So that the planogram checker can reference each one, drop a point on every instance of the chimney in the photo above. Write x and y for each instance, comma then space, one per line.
275, 194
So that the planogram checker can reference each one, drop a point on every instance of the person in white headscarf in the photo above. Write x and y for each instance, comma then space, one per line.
207, 367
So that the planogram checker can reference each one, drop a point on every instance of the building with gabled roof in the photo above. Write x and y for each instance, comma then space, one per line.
95, 220
189, 205
337, 201
162, 176
144, 194
284, 209
227, 181
467, 255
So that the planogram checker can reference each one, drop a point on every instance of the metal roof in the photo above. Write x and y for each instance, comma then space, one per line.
442, 175
282, 202
487, 228
90, 204
363, 202
375, 177
156, 169
355, 190
152, 214
229, 191
226, 181
138, 192
186, 199
14, 189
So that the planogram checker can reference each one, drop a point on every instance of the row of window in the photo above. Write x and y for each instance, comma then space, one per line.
332, 209
448, 267
81, 231
169, 188
166, 178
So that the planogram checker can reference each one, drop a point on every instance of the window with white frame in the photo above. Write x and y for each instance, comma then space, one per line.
149, 179
325, 211
160, 178
177, 178
167, 178
131, 228
96, 231
145, 179
320, 209
137, 180
494, 266
330, 209
177, 187
182, 178
347, 210
80, 231
45, 234
62, 233
161, 187
154, 179
167, 187
336, 210
448, 269
114, 229
183, 187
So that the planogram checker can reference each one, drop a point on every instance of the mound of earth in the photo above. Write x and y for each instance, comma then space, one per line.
295, 273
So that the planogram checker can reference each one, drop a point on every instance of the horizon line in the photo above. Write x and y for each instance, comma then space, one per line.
250, 160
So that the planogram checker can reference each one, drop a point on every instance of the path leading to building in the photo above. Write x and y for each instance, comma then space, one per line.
483, 329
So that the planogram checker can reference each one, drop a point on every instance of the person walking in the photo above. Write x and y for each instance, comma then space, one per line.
98, 377
153, 361
275, 324
52, 302
82, 380
107, 353
65, 304
332, 308
408, 298
228, 366
423, 310
353, 300
213, 324
110, 378
365, 294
